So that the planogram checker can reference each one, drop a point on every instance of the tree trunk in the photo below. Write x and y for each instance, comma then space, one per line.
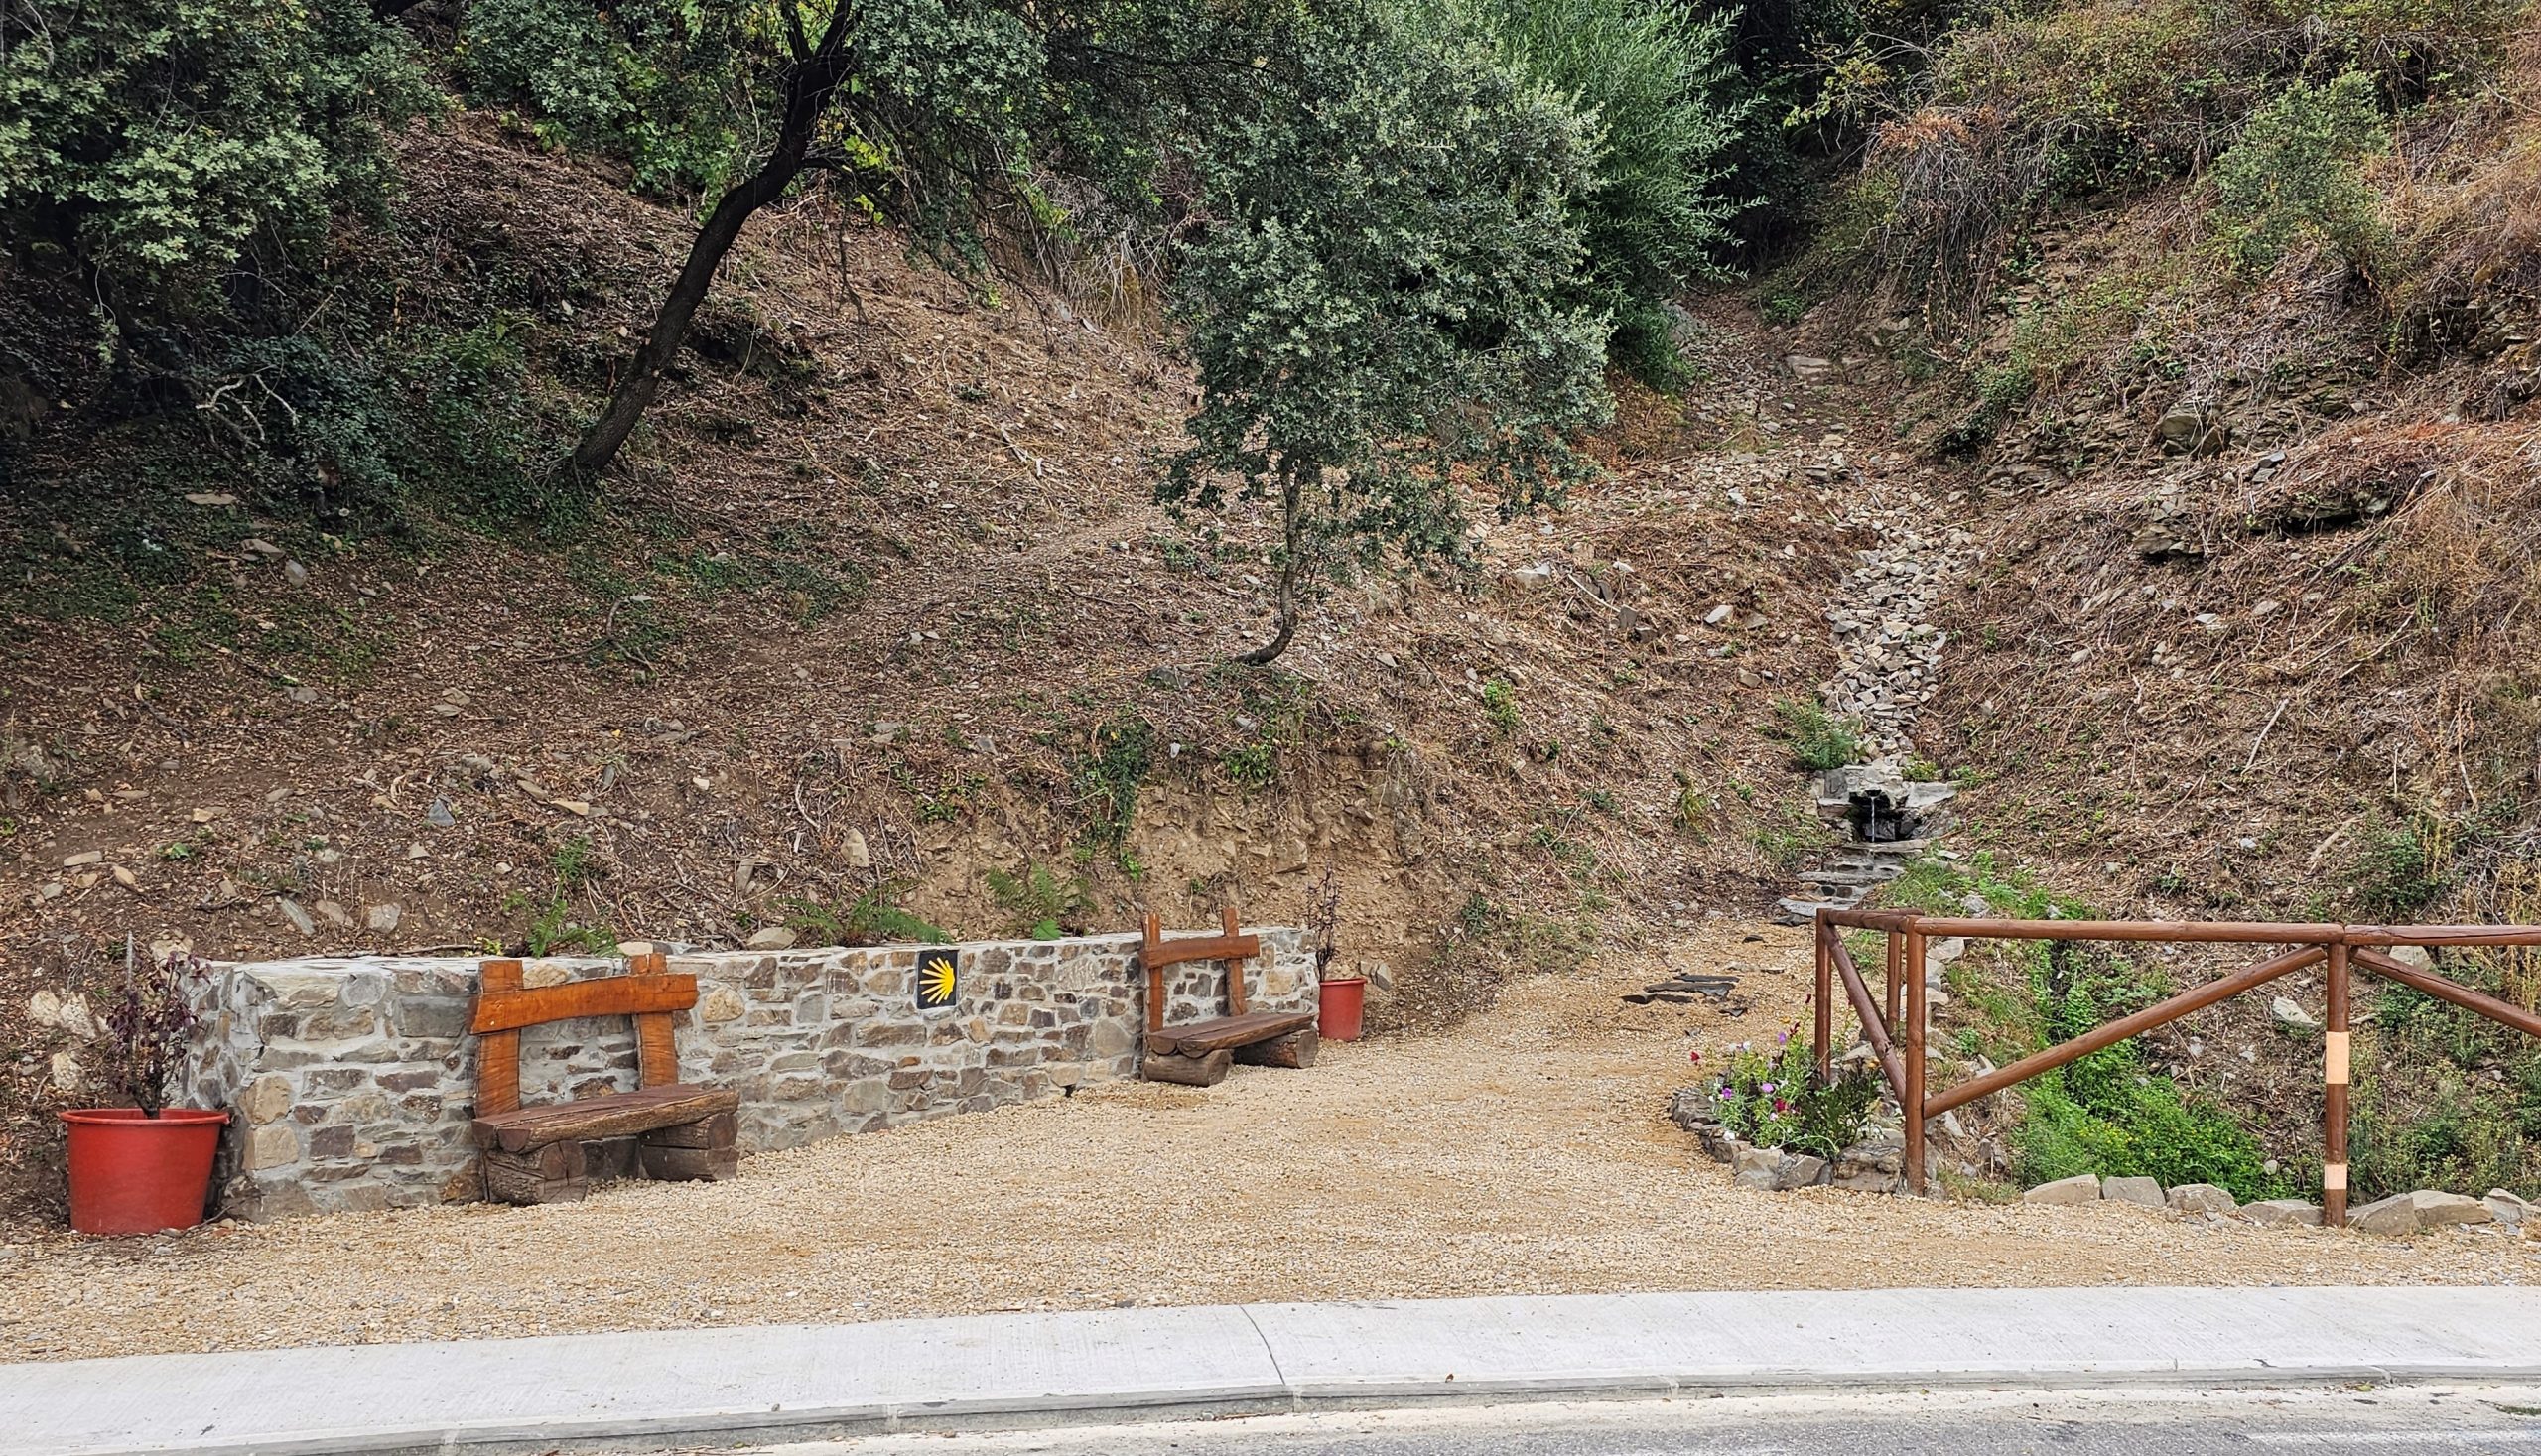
1292, 534
811, 81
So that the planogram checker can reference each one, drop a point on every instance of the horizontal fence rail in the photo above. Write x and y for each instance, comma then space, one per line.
1896, 1033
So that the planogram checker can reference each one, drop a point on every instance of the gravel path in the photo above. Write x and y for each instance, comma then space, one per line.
1525, 1153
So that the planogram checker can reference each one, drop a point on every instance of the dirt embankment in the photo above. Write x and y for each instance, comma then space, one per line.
881, 607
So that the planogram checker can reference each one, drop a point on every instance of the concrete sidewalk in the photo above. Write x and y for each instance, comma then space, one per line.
1014, 1369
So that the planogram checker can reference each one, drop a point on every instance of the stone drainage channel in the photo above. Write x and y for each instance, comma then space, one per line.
1888, 662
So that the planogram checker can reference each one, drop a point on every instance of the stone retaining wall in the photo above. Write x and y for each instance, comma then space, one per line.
353, 1080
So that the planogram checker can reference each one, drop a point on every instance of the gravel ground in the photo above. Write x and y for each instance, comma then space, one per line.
1525, 1153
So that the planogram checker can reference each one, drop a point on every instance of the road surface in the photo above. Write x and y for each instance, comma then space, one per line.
2347, 1420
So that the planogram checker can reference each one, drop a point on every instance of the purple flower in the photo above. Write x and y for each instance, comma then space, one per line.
1783, 1040
1727, 1096
1766, 1088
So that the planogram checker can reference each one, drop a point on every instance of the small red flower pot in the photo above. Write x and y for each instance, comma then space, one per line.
1340, 1008
132, 1173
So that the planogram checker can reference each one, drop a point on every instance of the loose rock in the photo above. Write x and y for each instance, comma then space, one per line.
2080, 1188
2202, 1198
2144, 1191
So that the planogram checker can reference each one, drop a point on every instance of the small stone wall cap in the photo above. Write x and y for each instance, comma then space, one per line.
770, 938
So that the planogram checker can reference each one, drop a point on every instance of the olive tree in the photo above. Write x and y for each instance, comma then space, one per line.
1384, 294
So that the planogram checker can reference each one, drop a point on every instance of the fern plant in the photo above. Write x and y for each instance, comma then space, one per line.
1040, 904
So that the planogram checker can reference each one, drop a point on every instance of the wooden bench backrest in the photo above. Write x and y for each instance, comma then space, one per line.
1228, 946
503, 1006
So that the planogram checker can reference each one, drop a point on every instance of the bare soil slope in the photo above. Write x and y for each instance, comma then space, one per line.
880, 606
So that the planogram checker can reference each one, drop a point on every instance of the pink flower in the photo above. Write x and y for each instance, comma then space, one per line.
1696, 1056
1781, 1105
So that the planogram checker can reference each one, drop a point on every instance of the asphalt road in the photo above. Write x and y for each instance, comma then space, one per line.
2348, 1421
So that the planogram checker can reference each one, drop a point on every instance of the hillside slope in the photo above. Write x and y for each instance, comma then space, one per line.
881, 607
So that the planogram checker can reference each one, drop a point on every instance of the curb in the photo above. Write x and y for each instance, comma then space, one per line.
1021, 1370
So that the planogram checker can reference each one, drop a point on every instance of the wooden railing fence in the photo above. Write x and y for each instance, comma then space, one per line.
1894, 1024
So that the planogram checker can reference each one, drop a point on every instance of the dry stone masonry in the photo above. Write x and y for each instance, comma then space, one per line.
351, 1079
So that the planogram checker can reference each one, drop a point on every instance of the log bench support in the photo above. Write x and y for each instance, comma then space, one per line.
1200, 1053
541, 1154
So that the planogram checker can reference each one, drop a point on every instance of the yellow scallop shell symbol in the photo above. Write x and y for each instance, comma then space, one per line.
936, 978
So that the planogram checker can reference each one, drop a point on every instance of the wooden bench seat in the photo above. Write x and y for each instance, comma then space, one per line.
535, 1154
1201, 1053
1199, 1038
613, 1114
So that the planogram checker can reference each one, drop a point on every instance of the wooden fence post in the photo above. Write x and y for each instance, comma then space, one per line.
1896, 951
1914, 1108
1824, 1004
2336, 1062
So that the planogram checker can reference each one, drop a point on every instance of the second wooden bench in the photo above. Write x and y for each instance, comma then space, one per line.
1200, 1053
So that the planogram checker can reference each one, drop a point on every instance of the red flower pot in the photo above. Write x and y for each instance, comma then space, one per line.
1339, 1010
131, 1173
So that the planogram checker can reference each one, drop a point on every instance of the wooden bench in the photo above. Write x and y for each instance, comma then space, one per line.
1200, 1053
534, 1154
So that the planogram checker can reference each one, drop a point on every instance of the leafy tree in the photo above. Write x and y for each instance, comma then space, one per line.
1664, 94
934, 97
156, 145
1384, 298
659, 82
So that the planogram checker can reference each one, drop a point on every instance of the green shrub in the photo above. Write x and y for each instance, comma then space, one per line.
2398, 871
2145, 1129
2444, 1097
651, 80
1107, 778
2295, 176
2112, 1113
1389, 311
161, 142
871, 918
1818, 740
1660, 86
552, 925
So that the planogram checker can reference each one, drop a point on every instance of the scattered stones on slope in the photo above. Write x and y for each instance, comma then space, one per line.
1888, 657
1888, 653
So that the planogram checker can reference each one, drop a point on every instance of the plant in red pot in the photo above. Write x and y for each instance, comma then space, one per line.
1340, 1001
147, 1167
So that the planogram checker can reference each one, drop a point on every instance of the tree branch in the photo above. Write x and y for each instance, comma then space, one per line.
794, 40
